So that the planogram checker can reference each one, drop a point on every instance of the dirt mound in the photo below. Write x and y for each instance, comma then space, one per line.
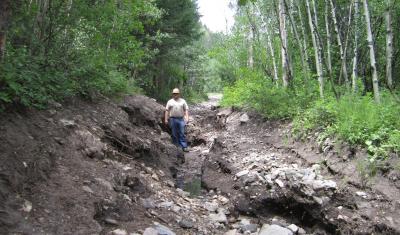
78, 168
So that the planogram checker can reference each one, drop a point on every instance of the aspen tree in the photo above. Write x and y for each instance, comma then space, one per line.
375, 83
317, 48
389, 44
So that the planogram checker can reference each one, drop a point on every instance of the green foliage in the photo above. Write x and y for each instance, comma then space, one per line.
254, 90
357, 120
58, 49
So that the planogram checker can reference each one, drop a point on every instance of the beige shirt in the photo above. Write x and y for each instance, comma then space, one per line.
177, 108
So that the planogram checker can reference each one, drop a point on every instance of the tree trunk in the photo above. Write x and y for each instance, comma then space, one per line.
269, 42
303, 31
297, 37
375, 82
340, 44
284, 44
328, 38
389, 44
354, 75
5, 12
250, 60
317, 47
271, 48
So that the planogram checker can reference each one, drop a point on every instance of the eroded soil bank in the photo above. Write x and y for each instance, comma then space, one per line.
108, 168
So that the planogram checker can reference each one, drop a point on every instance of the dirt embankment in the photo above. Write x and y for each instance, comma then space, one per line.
83, 168
275, 179
107, 168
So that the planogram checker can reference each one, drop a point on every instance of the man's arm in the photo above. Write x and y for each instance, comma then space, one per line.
166, 116
186, 116
166, 113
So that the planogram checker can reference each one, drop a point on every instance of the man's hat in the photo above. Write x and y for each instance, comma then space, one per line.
175, 91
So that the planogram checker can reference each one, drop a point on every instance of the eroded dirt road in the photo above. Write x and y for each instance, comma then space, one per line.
103, 168
275, 185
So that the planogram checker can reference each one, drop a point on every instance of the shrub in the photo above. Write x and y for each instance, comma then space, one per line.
254, 90
357, 120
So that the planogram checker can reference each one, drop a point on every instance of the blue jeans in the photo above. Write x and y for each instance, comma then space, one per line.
178, 131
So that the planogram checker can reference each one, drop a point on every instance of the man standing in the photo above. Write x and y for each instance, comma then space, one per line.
177, 115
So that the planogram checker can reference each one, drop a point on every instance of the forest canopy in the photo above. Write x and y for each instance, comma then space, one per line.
54, 49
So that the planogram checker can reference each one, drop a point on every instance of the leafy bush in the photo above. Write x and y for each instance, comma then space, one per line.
34, 81
357, 120
252, 89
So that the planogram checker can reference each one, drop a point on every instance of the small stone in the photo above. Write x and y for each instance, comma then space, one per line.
220, 217
56, 105
155, 177
318, 200
87, 189
280, 183
329, 184
182, 193
293, 227
223, 199
150, 231
161, 229
111, 221
343, 217
52, 112
148, 203
118, 232
27, 206
362, 194
244, 118
251, 228
250, 179
166, 204
127, 168
176, 209
274, 230
67, 123
170, 183
186, 224
104, 183
242, 173
231, 232
59, 140
211, 206
301, 231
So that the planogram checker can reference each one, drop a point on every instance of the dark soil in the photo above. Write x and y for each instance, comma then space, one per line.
93, 167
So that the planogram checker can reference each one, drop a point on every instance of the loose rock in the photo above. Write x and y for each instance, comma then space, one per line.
274, 230
118, 232
220, 217
186, 224
242, 173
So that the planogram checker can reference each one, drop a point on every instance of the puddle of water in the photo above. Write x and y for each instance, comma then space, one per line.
193, 187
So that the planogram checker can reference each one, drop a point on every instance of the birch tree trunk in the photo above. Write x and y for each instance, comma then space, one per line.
269, 42
340, 44
354, 75
284, 44
328, 38
303, 31
375, 82
317, 48
5, 11
271, 48
250, 60
297, 37
389, 44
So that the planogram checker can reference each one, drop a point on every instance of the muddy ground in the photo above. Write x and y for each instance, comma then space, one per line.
109, 167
